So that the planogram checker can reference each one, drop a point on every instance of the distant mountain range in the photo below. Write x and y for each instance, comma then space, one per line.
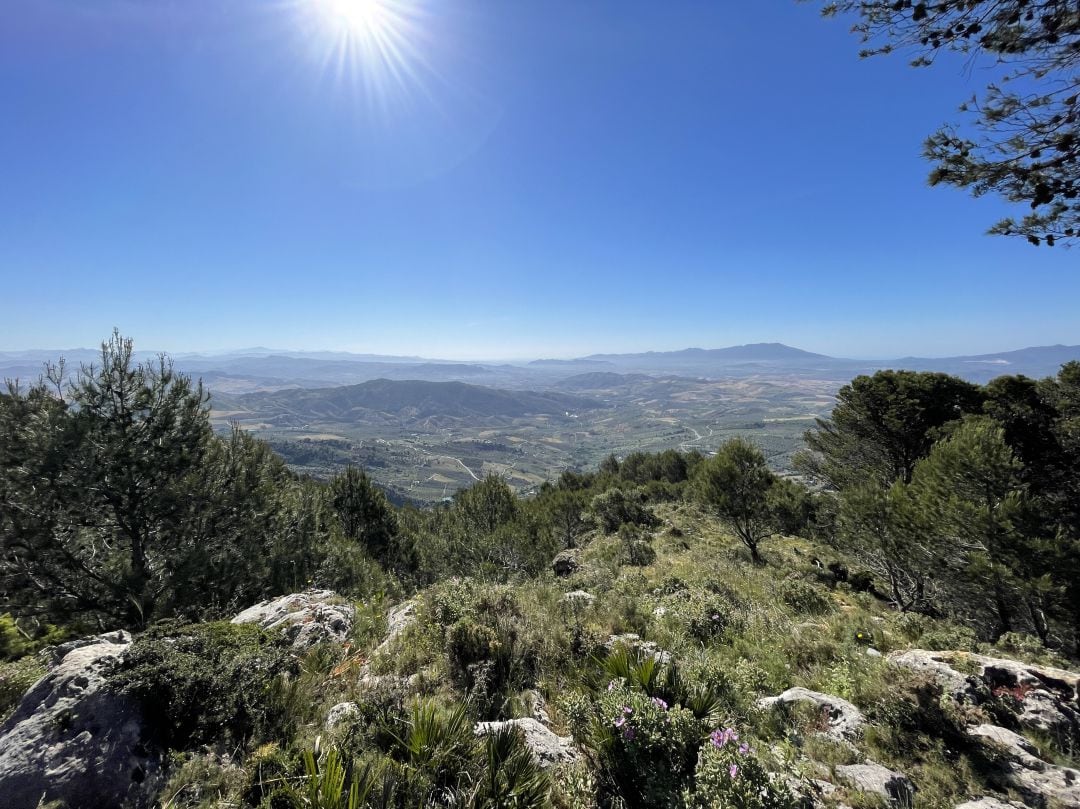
751, 352
262, 369
406, 399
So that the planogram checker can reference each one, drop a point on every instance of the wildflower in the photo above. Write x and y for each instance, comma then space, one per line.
620, 721
628, 734
626, 709
612, 685
733, 770
659, 703
721, 737
716, 616
744, 748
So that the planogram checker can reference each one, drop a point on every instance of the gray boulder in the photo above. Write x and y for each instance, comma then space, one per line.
873, 779
340, 713
306, 618
987, 802
1046, 697
936, 665
73, 739
547, 747
845, 720
1040, 783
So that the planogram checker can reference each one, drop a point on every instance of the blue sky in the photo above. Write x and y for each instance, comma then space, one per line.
527, 178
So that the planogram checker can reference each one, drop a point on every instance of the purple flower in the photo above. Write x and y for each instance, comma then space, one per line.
611, 685
628, 733
716, 616
660, 703
626, 709
620, 721
733, 770
721, 737
744, 748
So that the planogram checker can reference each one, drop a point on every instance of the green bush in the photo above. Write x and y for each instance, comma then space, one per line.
637, 551
644, 749
950, 637
803, 597
616, 507
730, 776
16, 677
212, 683
706, 616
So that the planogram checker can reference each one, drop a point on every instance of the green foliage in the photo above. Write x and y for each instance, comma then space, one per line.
617, 507
511, 776
804, 597
729, 775
637, 550
883, 424
363, 512
644, 750
16, 677
735, 484
1020, 138
214, 682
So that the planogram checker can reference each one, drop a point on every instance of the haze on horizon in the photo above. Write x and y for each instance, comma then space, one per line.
492, 181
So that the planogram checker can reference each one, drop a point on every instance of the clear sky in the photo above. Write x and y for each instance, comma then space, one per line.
491, 179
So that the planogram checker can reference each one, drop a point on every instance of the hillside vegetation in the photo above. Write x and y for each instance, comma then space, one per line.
615, 641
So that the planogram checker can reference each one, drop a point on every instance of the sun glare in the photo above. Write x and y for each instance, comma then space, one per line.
361, 18
375, 41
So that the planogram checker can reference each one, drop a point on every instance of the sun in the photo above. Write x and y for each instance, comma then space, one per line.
366, 19
374, 44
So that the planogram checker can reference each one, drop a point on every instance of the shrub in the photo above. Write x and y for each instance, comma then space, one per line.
707, 616
950, 637
16, 677
616, 507
803, 597
636, 549
730, 776
208, 683
644, 749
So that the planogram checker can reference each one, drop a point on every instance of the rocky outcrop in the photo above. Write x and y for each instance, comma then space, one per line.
549, 748
1040, 783
565, 562
340, 714
73, 739
845, 720
306, 618
1045, 697
936, 666
989, 803
873, 779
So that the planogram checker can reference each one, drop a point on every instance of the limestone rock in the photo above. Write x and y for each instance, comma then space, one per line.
987, 802
936, 665
565, 562
845, 720
1046, 696
873, 779
74, 739
340, 713
1041, 784
306, 618
579, 598
549, 748
399, 619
